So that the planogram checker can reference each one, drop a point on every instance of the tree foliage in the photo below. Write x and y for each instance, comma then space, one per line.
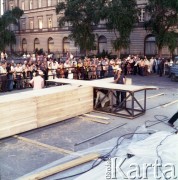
163, 21
172, 42
7, 37
81, 16
121, 16
84, 15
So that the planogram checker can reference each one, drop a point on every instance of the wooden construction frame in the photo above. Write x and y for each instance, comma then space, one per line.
130, 112
131, 90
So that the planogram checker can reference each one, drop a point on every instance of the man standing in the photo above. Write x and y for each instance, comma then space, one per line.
37, 82
10, 79
119, 78
3, 74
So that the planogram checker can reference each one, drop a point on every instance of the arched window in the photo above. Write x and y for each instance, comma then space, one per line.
36, 44
24, 45
66, 44
50, 44
102, 44
150, 45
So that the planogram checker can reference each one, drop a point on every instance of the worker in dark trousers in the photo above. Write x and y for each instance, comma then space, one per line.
173, 119
119, 78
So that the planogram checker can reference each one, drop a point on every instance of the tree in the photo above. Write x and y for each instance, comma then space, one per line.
163, 21
7, 37
121, 16
172, 42
82, 16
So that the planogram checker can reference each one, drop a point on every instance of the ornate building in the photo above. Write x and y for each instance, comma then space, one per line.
39, 29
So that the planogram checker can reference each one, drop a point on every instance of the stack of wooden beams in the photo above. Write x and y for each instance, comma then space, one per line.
29, 110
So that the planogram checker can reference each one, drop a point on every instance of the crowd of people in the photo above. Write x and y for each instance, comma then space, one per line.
18, 75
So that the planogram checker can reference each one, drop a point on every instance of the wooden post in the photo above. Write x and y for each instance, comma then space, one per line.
62, 167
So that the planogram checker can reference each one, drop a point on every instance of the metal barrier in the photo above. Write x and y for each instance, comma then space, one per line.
18, 83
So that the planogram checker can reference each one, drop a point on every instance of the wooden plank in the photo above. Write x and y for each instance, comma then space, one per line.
94, 116
18, 128
40, 108
68, 106
13, 115
62, 167
95, 120
61, 116
103, 85
52, 148
11, 123
63, 101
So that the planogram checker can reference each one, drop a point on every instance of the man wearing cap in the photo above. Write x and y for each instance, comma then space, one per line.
119, 78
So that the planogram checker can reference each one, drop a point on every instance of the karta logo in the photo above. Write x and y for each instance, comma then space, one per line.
115, 169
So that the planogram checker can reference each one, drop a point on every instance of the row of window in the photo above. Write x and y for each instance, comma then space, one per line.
102, 44
50, 24
150, 46
29, 5
40, 23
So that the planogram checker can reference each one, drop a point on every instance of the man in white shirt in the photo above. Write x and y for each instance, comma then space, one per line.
3, 76
18, 75
37, 82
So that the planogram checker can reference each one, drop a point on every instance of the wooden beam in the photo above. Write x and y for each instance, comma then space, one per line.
93, 116
52, 148
95, 120
62, 167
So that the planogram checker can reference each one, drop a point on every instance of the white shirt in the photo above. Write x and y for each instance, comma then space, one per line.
3, 70
37, 82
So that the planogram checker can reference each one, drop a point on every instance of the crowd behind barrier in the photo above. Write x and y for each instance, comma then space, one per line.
17, 75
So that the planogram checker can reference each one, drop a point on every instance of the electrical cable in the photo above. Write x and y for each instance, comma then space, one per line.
107, 155
160, 156
104, 157
165, 118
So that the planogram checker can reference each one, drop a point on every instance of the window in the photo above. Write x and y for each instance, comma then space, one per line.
66, 44
150, 45
142, 15
49, 3
39, 3
40, 23
36, 43
31, 24
49, 22
23, 25
102, 44
23, 5
31, 4
50, 45
24, 45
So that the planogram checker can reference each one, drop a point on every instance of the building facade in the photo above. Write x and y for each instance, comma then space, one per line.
39, 29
